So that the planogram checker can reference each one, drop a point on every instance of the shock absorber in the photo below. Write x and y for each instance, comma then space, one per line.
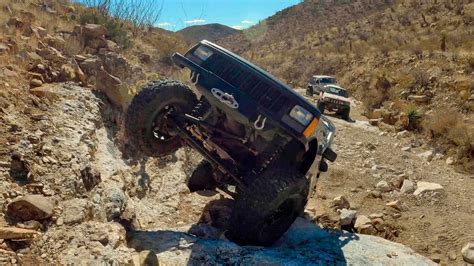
201, 109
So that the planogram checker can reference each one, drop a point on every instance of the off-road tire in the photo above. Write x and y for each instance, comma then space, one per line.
145, 108
309, 92
202, 177
279, 192
345, 114
321, 106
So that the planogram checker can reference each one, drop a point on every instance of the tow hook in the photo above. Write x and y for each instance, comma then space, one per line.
261, 121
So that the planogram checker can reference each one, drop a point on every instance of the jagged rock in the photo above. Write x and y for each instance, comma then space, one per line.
31, 207
468, 252
91, 66
111, 86
427, 155
347, 216
15, 22
78, 71
90, 177
303, 244
423, 187
16, 233
340, 202
450, 161
375, 122
396, 204
419, 98
45, 92
56, 42
117, 65
75, 211
112, 46
407, 148
361, 221
67, 73
4, 48
93, 31
114, 202
402, 134
383, 186
51, 54
407, 187
36, 83
42, 32
397, 181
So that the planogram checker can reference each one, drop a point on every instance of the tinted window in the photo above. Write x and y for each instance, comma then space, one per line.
334, 90
327, 80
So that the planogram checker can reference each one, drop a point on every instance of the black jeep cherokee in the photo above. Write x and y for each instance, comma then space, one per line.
254, 132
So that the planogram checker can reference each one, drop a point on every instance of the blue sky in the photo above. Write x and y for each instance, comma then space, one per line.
240, 14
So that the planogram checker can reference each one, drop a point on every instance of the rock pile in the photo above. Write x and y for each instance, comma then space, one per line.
84, 56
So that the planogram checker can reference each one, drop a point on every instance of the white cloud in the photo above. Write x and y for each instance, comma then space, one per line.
237, 27
164, 24
247, 22
195, 21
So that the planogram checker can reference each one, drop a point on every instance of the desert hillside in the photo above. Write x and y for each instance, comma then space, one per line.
72, 190
409, 62
210, 32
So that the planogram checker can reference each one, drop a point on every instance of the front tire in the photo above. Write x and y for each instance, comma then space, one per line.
146, 124
265, 209
321, 106
345, 114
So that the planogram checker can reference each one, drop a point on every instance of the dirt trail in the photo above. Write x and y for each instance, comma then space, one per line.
70, 151
436, 224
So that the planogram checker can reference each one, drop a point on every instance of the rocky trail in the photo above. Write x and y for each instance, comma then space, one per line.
70, 197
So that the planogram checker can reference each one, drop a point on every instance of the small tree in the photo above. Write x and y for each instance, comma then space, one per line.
138, 14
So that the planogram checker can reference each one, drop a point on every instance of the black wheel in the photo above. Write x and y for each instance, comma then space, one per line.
146, 124
309, 91
345, 114
202, 178
265, 210
321, 106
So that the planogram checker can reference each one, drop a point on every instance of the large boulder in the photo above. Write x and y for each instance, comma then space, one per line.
423, 187
16, 233
93, 31
111, 86
304, 243
31, 207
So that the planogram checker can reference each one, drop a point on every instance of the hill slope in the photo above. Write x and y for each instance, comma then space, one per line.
210, 32
410, 62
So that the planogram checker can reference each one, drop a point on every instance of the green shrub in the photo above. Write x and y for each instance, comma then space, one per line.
413, 115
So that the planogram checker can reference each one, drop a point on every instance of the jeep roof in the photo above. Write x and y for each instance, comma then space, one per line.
323, 77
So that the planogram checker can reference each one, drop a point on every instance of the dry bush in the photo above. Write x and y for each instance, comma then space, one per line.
447, 123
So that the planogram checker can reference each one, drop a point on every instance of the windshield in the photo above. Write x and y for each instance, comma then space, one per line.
334, 90
327, 80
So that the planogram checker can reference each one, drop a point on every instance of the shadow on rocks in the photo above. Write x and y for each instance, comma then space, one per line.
205, 243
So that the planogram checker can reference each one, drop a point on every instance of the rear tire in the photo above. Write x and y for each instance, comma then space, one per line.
265, 209
146, 126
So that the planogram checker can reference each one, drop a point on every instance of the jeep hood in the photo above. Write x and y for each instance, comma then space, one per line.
336, 97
